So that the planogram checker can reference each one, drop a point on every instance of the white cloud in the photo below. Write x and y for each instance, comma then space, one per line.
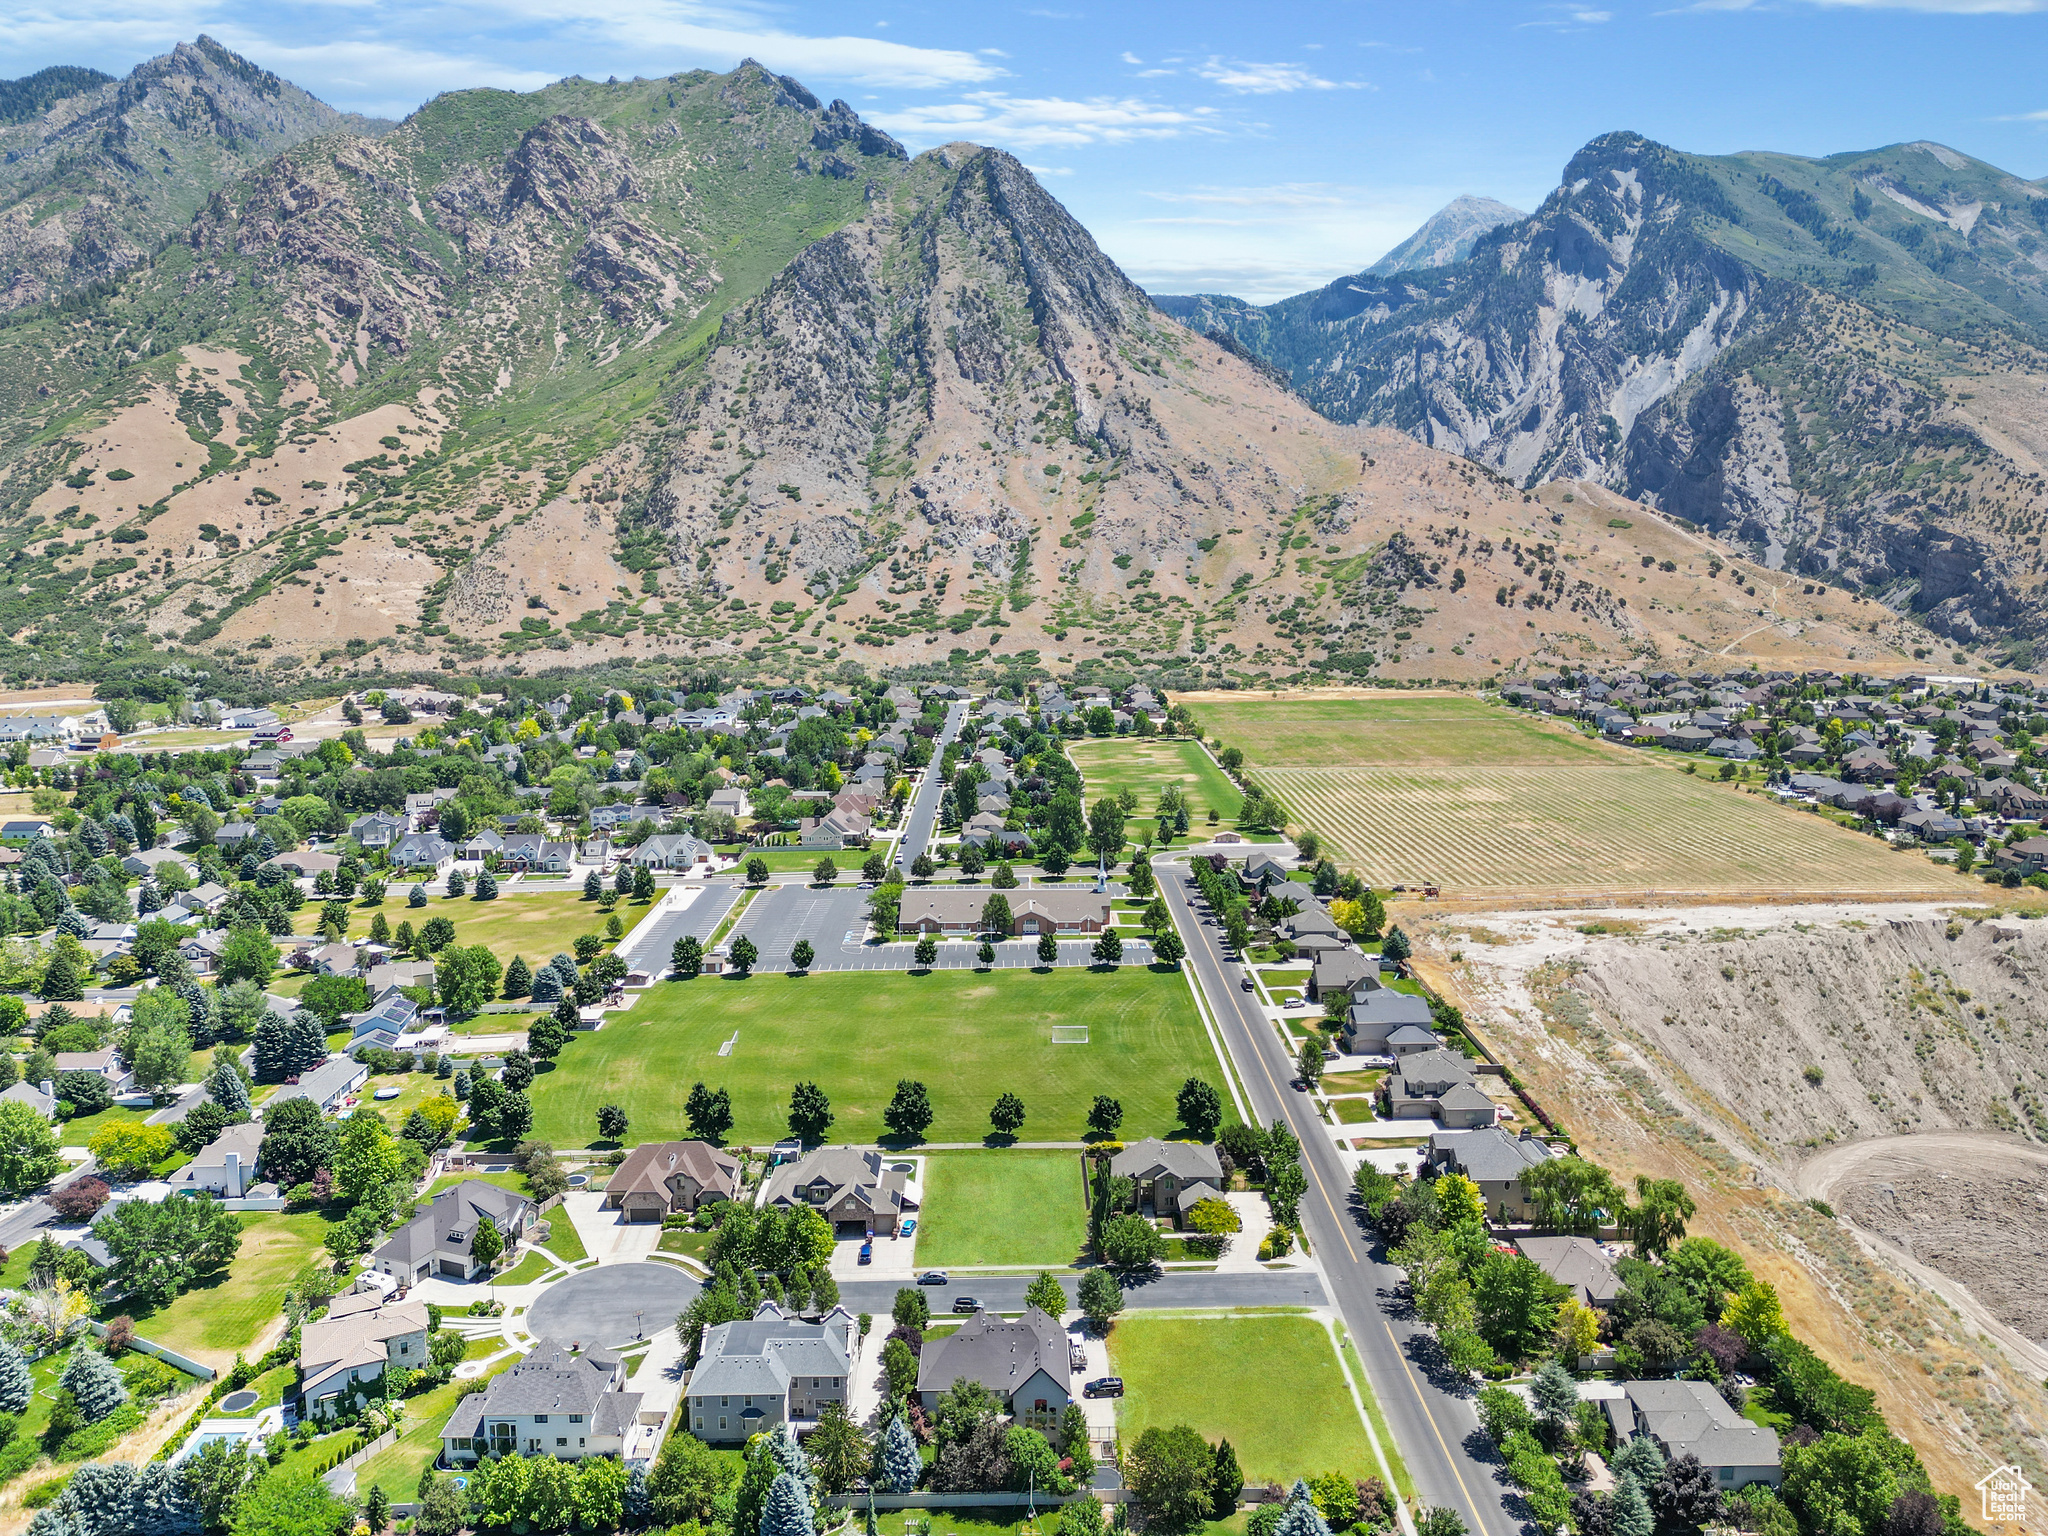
1050, 170
1131, 58
1927, 7
994, 117
1252, 79
1259, 242
2022, 117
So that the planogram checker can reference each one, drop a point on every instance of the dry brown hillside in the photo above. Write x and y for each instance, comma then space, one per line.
1889, 1061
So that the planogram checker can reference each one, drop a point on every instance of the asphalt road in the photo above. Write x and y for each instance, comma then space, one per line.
617, 1303
1430, 1408
924, 809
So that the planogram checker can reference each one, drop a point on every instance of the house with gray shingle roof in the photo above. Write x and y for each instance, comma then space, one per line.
553, 1403
1690, 1418
843, 1184
1495, 1160
1172, 1174
1028, 1363
768, 1370
441, 1239
1576, 1263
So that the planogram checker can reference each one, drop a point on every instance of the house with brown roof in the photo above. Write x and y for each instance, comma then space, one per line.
947, 909
845, 1186
663, 1178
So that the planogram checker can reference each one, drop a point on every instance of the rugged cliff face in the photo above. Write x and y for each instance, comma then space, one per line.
96, 173
1835, 364
703, 365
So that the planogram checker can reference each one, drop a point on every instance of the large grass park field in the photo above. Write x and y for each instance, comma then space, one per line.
968, 1036
538, 924
1146, 765
1475, 797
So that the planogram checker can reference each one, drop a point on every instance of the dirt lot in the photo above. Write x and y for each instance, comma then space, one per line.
1969, 1206
1772, 1055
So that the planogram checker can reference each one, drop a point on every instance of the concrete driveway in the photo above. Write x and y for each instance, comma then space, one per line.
608, 1238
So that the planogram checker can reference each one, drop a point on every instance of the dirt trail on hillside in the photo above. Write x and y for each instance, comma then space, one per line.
1966, 1212
1888, 1060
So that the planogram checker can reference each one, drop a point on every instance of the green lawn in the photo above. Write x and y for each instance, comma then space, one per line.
1355, 1111
967, 1036
564, 1241
222, 1315
1273, 1384
538, 925
1146, 765
689, 1245
76, 1133
396, 1469
1009, 1206
527, 1270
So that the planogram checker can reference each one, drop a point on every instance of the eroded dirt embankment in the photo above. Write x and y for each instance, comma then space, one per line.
1888, 1061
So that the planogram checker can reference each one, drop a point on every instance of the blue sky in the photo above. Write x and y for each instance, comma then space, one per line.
1256, 150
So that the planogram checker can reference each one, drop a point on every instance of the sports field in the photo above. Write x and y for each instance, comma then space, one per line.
1472, 796
967, 1036
1146, 765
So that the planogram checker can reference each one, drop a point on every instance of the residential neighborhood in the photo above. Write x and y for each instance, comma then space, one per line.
928, 1097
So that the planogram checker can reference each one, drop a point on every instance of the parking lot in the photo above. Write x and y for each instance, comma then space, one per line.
835, 919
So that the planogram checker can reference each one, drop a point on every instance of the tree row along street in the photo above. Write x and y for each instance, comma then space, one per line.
1427, 1405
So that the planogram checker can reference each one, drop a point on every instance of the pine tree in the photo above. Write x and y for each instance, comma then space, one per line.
93, 1383
16, 1387
416, 897
305, 1043
273, 1046
1226, 1483
1631, 1510
518, 978
900, 1464
1301, 1517
593, 886
164, 1502
787, 1510
486, 887
225, 1087
60, 980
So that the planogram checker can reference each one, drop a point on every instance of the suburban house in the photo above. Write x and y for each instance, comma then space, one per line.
1341, 970
675, 850
1437, 1085
1690, 1418
768, 1370
940, 910
106, 1063
225, 1167
844, 1185
423, 851
552, 1403
1173, 1175
303, 864
1028, 1363
531, 852
39, 1099
730, 801
377, 830
441, 1240
1376, 1014
1495, 1160
1576, 1263
663, 1178
836, 829
360, 1337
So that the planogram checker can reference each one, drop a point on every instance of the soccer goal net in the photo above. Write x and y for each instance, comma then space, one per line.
1070, 1034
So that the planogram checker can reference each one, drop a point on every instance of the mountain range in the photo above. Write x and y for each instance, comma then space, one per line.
706, 371
1839, 366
